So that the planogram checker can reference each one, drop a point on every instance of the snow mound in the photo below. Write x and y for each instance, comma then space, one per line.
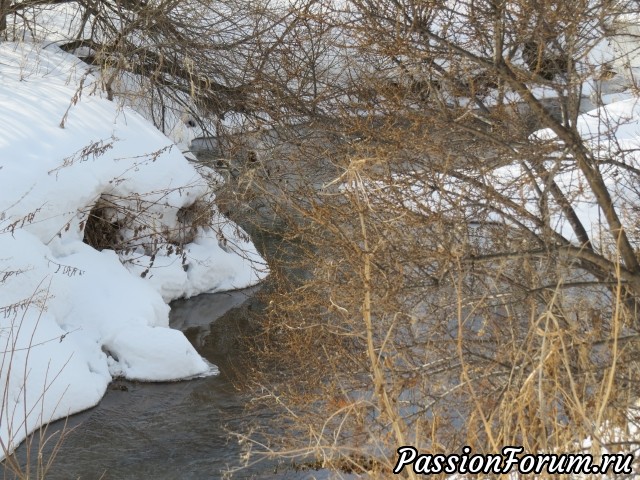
73, 317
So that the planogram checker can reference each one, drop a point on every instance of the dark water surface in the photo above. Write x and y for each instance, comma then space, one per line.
171, 430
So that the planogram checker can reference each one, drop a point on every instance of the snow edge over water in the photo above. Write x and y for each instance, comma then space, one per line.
72, 317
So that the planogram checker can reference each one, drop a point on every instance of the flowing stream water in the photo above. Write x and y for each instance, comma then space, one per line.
171, 430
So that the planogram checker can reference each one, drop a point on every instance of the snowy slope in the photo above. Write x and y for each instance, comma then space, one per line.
72, 317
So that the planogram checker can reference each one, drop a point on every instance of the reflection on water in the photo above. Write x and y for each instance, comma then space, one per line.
170, 430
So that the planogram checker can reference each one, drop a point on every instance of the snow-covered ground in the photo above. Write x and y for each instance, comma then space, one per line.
73, 317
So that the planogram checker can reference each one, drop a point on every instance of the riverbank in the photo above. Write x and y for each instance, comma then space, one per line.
103, 221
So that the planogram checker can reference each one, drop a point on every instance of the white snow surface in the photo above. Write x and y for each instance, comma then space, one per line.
72, 317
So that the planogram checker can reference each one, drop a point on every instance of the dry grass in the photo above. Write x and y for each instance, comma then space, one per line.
99, 231
41, 446
114, 224
408, 326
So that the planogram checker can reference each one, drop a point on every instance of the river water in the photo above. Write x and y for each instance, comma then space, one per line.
172, 430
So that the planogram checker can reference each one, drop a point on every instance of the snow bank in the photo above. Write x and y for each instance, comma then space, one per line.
73, 317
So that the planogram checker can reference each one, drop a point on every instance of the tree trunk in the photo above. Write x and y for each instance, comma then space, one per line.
4, 11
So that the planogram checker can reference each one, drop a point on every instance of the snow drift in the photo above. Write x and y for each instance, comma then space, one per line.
73, 317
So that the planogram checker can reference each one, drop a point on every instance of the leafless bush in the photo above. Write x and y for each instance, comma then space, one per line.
453, 293
167, 58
